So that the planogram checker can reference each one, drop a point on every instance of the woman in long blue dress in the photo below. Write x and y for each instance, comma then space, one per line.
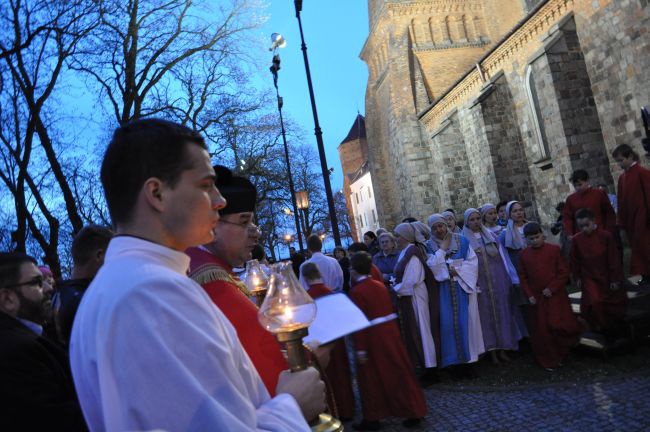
455, 267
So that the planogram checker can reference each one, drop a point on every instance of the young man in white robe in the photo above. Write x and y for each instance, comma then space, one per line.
149, 350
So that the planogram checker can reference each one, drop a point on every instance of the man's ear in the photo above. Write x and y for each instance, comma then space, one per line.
9, 302
153, 191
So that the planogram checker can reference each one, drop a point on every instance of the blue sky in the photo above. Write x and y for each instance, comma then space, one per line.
335, 32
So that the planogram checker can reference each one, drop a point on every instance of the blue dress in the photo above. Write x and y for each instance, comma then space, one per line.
454, 333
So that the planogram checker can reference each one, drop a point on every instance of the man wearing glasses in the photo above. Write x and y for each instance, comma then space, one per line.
211, 266
34, 372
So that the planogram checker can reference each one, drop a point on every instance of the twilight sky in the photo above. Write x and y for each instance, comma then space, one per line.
335, 31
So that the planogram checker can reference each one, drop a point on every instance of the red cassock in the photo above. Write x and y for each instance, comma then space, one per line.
376, 274
594, 199
595, 262
387, 383
634, 215
225, 289
338, 369
554, 327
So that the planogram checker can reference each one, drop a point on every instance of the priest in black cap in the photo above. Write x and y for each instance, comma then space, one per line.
211, 266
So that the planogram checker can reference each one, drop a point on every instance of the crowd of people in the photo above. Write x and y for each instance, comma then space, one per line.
155, 329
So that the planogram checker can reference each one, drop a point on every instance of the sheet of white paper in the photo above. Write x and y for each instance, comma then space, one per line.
336, 316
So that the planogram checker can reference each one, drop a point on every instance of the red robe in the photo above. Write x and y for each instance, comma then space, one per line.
554, 328
634, 215
387, 383
595, 262
223, 287
597, 201
338, 369
376, 274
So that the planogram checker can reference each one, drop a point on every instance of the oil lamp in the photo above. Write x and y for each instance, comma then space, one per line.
287, 312
256, 281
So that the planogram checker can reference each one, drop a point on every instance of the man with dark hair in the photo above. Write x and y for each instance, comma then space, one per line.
329, 268
375, 272
36, 389
297, 258
211, 266
387, 383
543, 273
634, 209
598, 274
88, 250
587, 197
148, 348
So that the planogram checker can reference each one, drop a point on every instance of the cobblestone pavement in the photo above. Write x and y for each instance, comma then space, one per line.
613, 404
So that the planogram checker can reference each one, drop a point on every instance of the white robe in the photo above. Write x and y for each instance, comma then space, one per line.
149, 350
413, 285
467, 279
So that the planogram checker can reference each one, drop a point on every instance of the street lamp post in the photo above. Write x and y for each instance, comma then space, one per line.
302, 201
279, 42
319, 134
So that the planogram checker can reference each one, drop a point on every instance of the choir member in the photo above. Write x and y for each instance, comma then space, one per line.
498, 322
634, 209
543, 273
597, 270
387, 383
455, 267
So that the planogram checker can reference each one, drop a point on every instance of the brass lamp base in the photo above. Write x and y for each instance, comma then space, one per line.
297, 362
326, 423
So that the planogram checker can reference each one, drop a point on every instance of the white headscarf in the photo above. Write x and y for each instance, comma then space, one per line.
514, 240
434, 242
413, 232
486, 240
484, 209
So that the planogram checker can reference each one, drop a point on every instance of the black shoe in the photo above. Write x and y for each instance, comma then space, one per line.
412, 423
366, 425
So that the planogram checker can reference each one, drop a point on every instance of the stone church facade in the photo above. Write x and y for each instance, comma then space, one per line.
474, 101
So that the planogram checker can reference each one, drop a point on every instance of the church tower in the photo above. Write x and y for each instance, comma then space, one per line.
415, 51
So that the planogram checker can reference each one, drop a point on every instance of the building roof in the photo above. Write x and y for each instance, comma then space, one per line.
357, 131
363, 169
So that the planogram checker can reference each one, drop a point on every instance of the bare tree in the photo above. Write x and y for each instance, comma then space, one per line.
342, 216
36, 39
180, 59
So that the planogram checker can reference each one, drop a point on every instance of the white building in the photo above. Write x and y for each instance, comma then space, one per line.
362, 198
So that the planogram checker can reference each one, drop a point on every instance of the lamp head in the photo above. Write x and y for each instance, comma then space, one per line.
277, 41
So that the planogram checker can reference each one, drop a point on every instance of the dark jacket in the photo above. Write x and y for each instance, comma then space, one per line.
36, 388
70, 293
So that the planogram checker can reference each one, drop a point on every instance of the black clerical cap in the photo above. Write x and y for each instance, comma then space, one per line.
239, 192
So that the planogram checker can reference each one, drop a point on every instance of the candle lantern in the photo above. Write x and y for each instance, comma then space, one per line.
256, 281
287, 312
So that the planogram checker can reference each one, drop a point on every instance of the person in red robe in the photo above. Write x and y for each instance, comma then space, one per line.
598, 273
211, 267
387, 383
338, 369
594, 199
634, 209
543, 274
375, 272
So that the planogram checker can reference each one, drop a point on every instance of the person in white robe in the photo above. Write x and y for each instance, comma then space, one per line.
148, 349
417, 298
455, 267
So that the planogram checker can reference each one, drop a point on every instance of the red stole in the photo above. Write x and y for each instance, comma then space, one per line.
221, 284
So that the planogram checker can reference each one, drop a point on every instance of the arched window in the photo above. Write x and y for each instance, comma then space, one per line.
536, 114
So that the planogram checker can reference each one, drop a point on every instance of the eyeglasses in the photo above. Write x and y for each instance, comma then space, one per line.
37, 281
248, 226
